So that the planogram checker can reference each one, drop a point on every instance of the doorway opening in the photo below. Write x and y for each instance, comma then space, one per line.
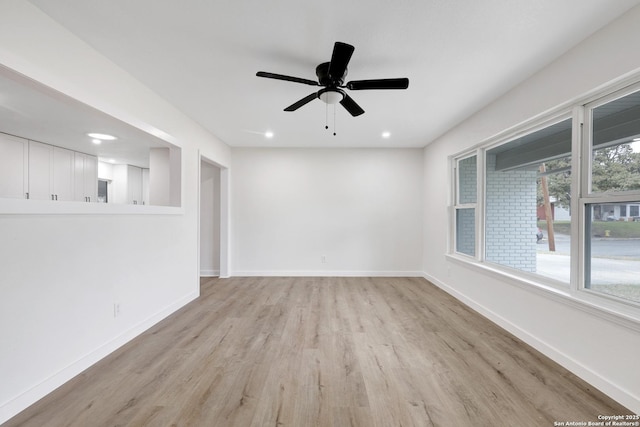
103, 191
213, 222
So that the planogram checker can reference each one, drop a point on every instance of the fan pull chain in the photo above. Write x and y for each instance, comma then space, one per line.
334, 119
326, 116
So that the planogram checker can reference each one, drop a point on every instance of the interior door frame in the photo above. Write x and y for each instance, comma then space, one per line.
224, 214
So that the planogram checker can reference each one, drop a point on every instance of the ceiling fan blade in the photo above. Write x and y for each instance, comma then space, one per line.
350, 105
402, 83
303, 101
287, 78
340, 59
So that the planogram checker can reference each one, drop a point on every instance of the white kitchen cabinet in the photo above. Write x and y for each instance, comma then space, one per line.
63, 173
50, 172
85, 178
127, 185
40, 166
14, 155
135, 185
145, 186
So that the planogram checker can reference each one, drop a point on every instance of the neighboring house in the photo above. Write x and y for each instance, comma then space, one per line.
558, 213
617, 212
611, 212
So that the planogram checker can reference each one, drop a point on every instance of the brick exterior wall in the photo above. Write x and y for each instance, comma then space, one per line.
467, 179
511, 217
466, 231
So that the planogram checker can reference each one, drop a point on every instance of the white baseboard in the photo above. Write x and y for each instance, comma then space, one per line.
326, 273
14, 406
209, 273
622, 396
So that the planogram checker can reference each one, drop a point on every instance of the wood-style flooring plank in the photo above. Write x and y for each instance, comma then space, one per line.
322, 352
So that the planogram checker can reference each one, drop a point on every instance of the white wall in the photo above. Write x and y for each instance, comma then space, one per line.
61, 274
599, 349
105, 171
159, 176
359, 208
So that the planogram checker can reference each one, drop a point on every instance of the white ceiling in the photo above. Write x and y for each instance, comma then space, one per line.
459, 55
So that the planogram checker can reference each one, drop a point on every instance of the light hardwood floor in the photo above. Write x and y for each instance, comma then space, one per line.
322, 352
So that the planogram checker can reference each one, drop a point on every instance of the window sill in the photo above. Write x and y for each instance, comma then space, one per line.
627, 315
47, 207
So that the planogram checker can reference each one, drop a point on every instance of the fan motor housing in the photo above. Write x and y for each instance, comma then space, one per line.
322, 71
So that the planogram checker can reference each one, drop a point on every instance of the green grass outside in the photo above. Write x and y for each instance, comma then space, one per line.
630, 292
617, 229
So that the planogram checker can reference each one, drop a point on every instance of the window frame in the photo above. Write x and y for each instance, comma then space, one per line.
457, 206
587, 141
588, 197
619, 310
523, 130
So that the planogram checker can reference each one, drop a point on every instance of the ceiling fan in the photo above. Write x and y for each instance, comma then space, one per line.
331, 77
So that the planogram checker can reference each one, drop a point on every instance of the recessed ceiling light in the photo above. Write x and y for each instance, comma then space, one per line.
96, 141
268, 134
102, 136
386, 134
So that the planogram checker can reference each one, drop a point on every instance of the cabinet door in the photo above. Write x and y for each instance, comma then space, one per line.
90, 181
14, 154
134, 182
63, 165
119, 185
145, 186
78, 177
40, 171
85, 178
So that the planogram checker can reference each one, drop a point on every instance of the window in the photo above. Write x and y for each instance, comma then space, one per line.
613, 255
560, 197
528, 193
466, 195
612, 245
615, 144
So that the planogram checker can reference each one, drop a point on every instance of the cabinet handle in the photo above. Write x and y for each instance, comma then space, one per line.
27, 195
53, 197
89, 199
56, 197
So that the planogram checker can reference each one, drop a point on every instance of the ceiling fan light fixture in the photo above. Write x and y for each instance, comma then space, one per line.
331, 77
331, 96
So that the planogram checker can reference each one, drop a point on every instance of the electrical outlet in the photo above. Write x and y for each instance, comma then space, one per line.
116, 309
